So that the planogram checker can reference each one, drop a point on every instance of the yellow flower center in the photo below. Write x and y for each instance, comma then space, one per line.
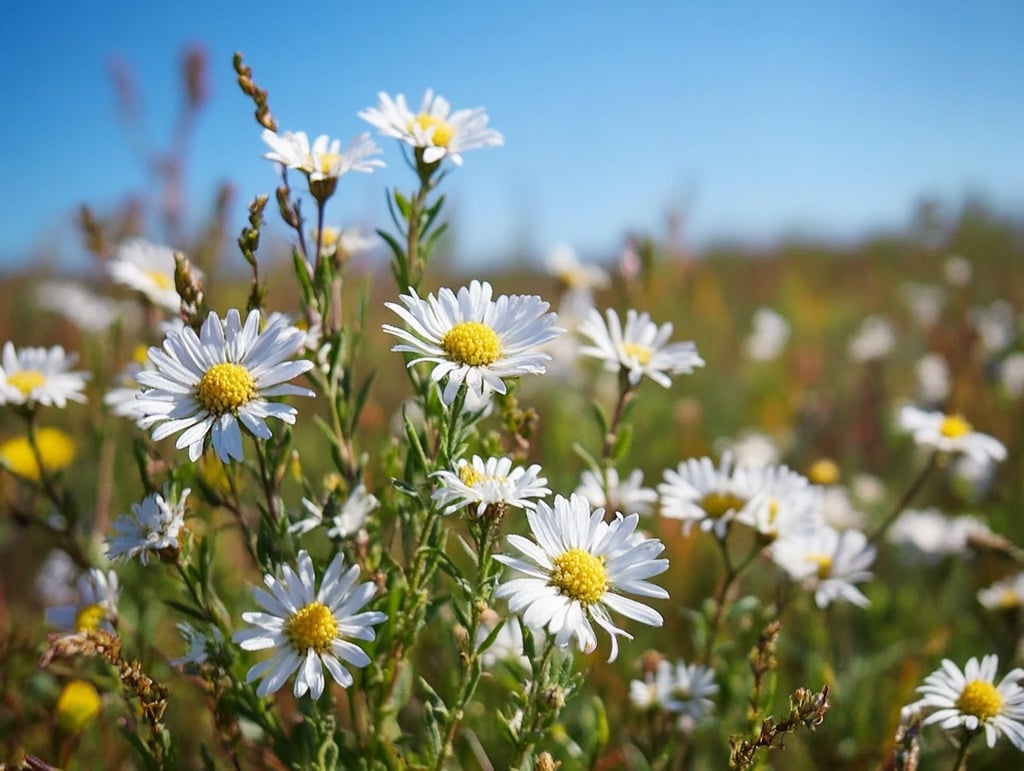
77, 705
140, 354
824, 471
26, 380
980, 699
642, 353
330, 237
89, 618
443, 132
56, 448
469, 475
162, 280
313, 626
824, 563
328, 161
718, 504
225, 387
1008, 598
580, 575
472, 343
954, 426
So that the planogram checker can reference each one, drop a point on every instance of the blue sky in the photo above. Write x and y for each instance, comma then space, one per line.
761, 119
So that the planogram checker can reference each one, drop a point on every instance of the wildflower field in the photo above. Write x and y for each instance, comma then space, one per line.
304, 509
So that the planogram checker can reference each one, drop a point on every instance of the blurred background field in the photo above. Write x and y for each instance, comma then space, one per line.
943, 268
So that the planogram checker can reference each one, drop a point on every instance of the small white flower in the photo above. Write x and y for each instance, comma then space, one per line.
54, 581
200, 645
87, 311
482, 483
309, 629
639, 349
40, 376
957, 270
578, 569
996, 325
1011, 374
838, 511
950, 433
122, 398
698, 491
626, 495
579, 279
750, 448
932, 378
691, 685
652, 693
769, 336
925, 302
472, 340
874, 340
154, 526
323, 159
932, 534
96, 606
343, 243
212, 382
341, 521
435, 129
829, 562
1007, 594
784, 502
149, 269
972, 699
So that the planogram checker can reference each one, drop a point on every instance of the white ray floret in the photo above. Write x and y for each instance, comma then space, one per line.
481, 483
216, 381
40, 376
698, 491
616, 494
154, 526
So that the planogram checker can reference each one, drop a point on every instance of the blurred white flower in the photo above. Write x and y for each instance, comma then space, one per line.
867, 489
769, 336
996, 325
925, 302
200, 645
579, 279
933, 535
932, 378
626, 495
784, 502
679, 688
1011, 374
751, 448
54, 581
88, 311
340, 521
1007, 594
149, 269
828, 562
95, 606
874, 340
698, 491
323, 160
40, 376
838, 511
950, 434
957, 270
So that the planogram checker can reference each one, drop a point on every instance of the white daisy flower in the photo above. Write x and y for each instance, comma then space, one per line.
785, 503
153, 528
149, 269
750, 448
874, 340
56, 575
932, 535
482, 483
933, 382
308, 628
838, 510
652, 693
691, 685
1011, 374
472, 340
972, 699
698, 491
769, 336
88, 311
1007, 594
626, 495
323, 159
40, 376
435, 129
829, 562
639, 349
950, 434
210, 382
578, 569
96, 606
925, 302
340, 521
996, 325
957, 270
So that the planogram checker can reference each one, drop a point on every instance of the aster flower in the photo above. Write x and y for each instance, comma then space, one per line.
491, 482
340, 521
153, 528
95, 607
691, 685
148, 269
652, 692
829, 562
950, 434
309, 629
639, 349
435, 130
472, 340
625, 495
323, 160
1007, 594
34, 376
972, 699
212, 382
698, 491
785, 502
578, 569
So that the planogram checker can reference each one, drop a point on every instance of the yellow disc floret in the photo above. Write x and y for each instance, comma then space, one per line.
824, 471
161, 280
26, 380
580, 575
472, 343
312, 626
980, 699
225, 387
89, 618
56, 449
954, 426
469, 475
824, 563
642, 353
327, 162
718, 503
443, 132
77, 705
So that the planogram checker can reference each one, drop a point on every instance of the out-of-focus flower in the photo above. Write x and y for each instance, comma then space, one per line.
34, 376
751, 448
343, 244
678, 688
626, 495
1007, 594
828, 562
434, 129
56, 450
925, 303
323, 160
578, 569
823, 471
200, 646
309, 629
122, 398
971, 699
1011, 374
996, 325
640, 349
95, 606
874, 340
697, 491
933, 534
769, 336
54, 581
580, 280
483, 483
838, 511
783, 502
950, 434
149, 269
154, 527
77, 706
957, 270
932, 378
88, 311
212, 382
473, 340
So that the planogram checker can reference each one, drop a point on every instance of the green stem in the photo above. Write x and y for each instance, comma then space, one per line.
532, 714
732, 573
961, 756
